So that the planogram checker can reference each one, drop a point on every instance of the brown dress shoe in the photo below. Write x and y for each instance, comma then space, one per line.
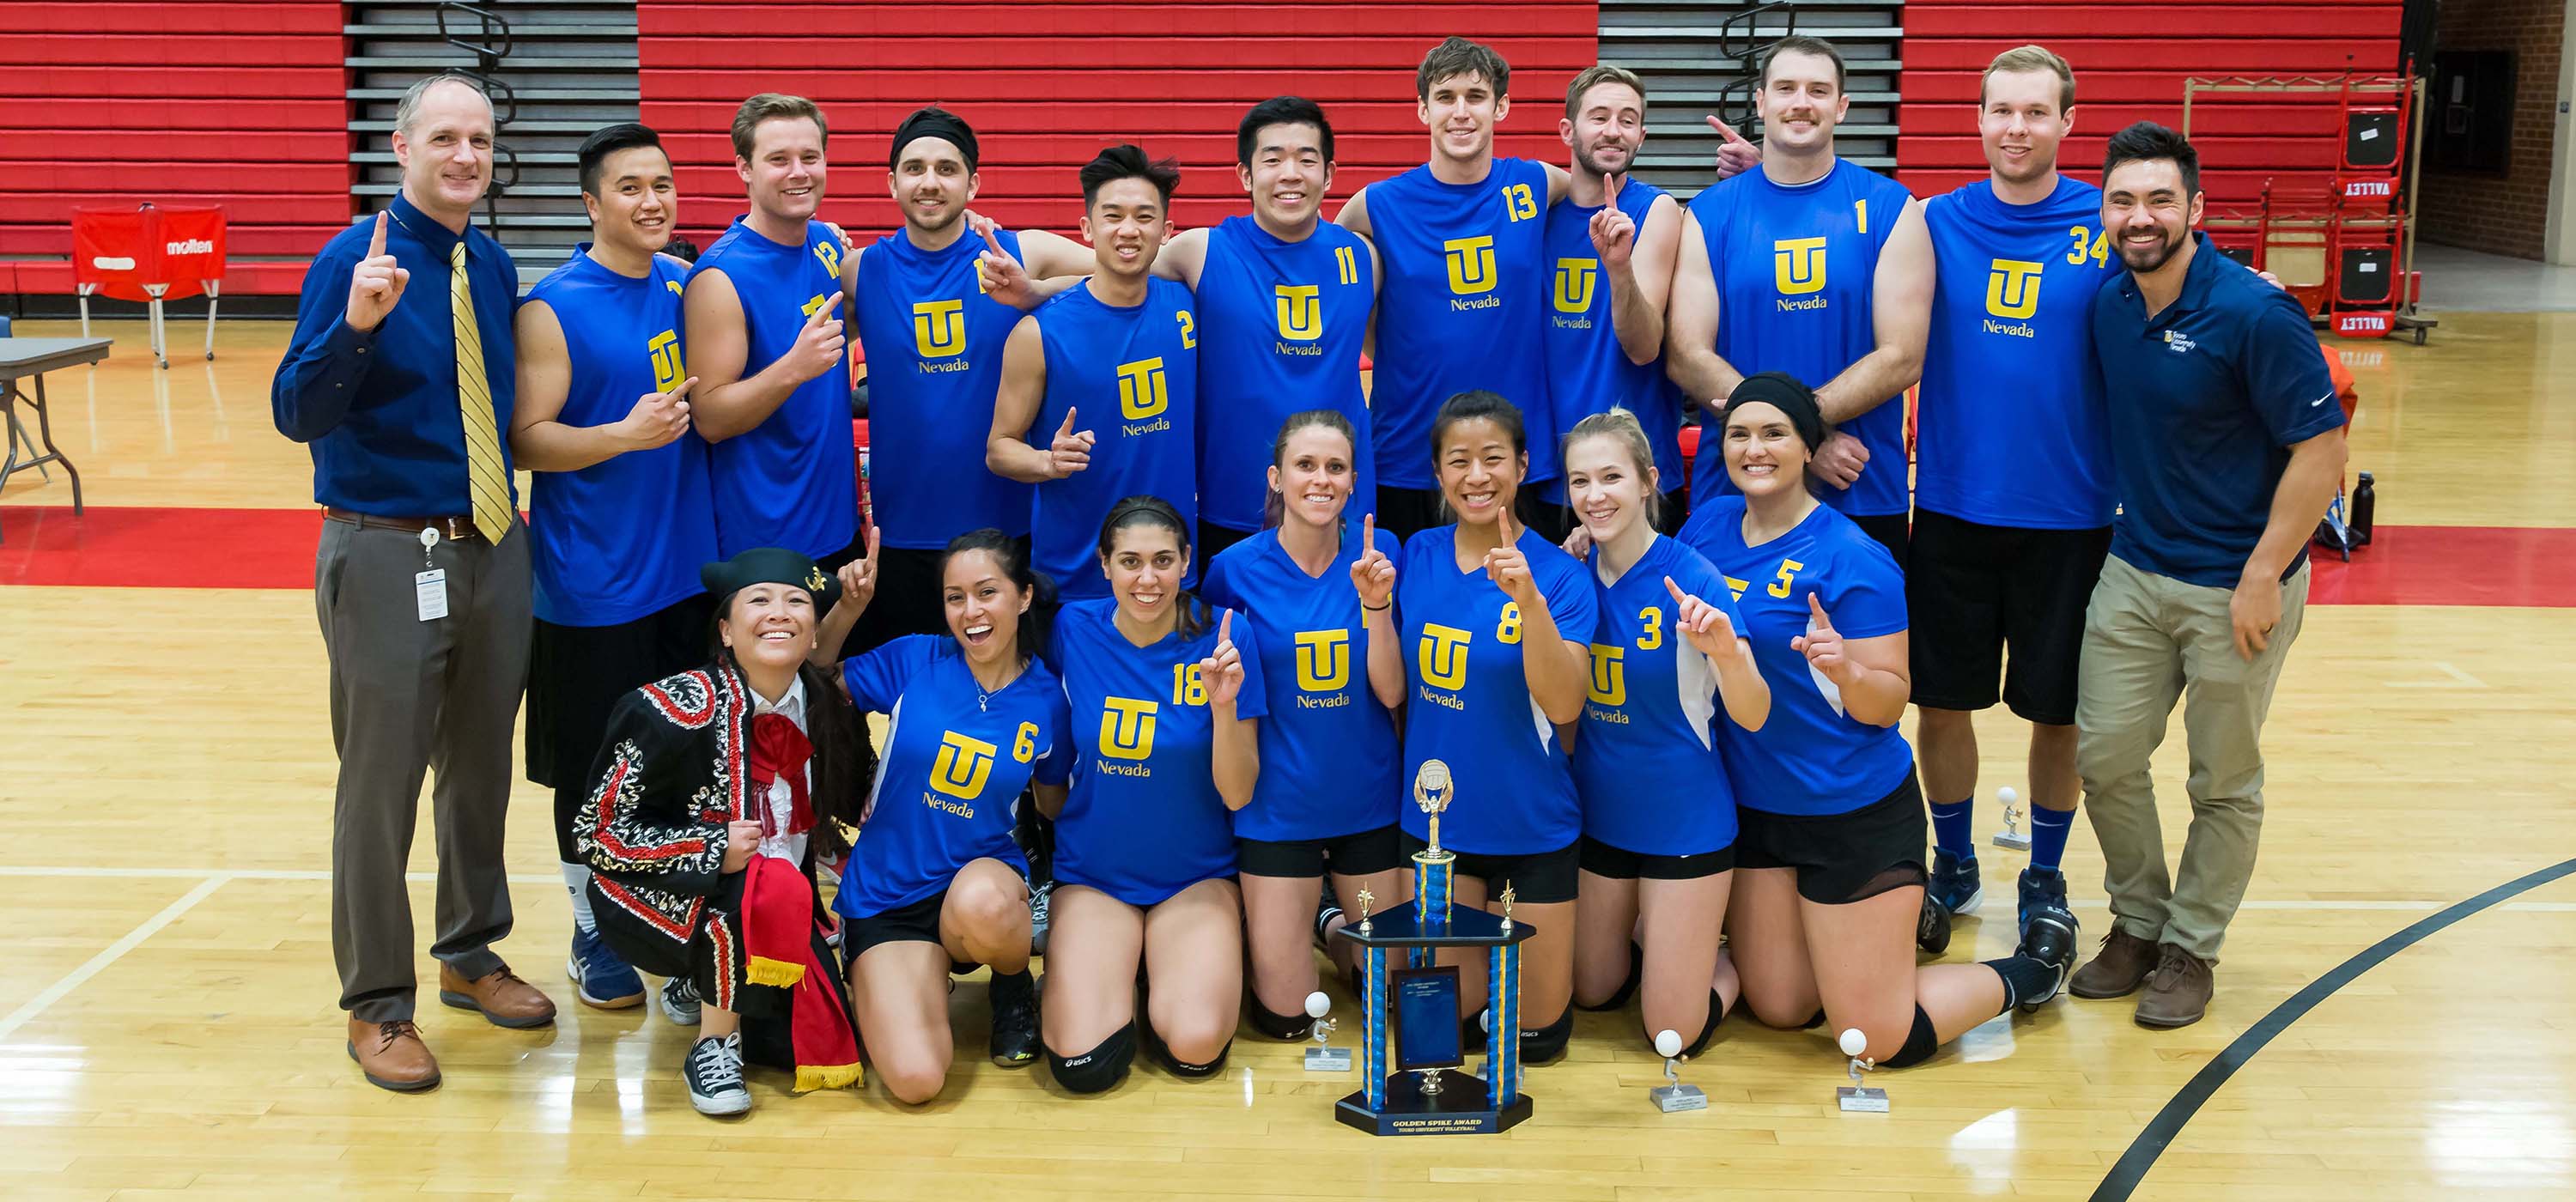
2178, 994
2117, 970
499, 994
392, 1055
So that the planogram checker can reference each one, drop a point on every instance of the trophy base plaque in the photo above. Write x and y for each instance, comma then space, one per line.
1674, 1099
1462, 1107
1867, 1099
1328, 1060
2012, 839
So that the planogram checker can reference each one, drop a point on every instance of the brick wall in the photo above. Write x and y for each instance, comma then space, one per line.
2507, 214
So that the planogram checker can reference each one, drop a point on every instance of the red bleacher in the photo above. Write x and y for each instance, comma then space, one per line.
238, 104
2129, 66
1046, 85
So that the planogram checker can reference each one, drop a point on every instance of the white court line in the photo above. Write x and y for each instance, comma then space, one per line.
53, 993
520, 878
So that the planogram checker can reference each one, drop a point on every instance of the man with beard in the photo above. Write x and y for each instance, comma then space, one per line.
2226, 445
1462, 241
764, 338
933, 340
1611, 244
1817, 267
2013, 481
619, 516
1099, 393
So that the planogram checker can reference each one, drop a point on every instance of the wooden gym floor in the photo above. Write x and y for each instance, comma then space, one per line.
167, 1024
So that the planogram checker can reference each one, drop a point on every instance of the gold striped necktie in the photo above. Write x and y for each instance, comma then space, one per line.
487, 479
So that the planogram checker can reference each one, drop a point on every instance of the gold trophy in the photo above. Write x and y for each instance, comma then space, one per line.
1432, 791
1366, 899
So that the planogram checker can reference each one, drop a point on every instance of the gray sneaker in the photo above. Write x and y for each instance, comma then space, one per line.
680, 1001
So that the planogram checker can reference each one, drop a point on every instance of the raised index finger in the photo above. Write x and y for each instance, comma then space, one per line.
824, 312
1817, 607
1225, 628
376, 244
1368, 533
984, 227
872, 544
1066, 430
1679, 598
1724, 130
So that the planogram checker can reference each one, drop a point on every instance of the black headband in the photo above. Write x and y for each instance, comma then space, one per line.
1782, 391
933, 123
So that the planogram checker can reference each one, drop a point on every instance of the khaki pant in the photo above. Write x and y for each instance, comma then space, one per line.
2150, 640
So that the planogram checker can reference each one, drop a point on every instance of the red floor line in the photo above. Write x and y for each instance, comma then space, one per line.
170, 547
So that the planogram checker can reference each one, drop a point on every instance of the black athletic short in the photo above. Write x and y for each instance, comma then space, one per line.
1975, 591
1540, 878
908, 600
1404, 511
1889, 530
577, 674
915, 923
1844, 857
1212, 539
1619, 863
1348, 855
1548, 521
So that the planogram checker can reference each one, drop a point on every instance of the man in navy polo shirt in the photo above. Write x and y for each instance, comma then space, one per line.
2226, 445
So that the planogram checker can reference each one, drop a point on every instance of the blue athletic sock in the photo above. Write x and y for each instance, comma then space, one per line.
1950, 828
2048, 836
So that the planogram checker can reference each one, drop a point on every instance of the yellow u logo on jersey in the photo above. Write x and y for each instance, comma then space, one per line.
1443, 656
1301, 312
939, 328
961, 765
1142, 391
1127, 728
1471, 264
1798, 265
667, 369
1609, 675
1574, 284
830, 254
1323, 660
2012, 291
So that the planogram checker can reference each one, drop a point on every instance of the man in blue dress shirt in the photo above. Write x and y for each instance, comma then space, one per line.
400, 376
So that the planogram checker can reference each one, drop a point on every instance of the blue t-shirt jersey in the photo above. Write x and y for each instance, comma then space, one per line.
1809, 758
1796, 270
1588, 372
2204, 401
934, 351
1130, 374
792, 480
1461, 309
1469, 703
1328, 751
2008, 425
1282, 327
623, 537
1144, 820
954, 761
1646, 763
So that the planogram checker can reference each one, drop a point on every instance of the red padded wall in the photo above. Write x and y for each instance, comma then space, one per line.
238, 104
2129, 66
1046, 85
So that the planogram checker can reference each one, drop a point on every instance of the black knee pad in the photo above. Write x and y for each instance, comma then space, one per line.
1547, 1043
1100, 1069
1920, 1043
1813, 1023
1162, 1053
1627, 988
1276, 1025
1716, 1015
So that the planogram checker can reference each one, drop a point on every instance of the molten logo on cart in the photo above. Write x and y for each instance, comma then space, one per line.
191, 246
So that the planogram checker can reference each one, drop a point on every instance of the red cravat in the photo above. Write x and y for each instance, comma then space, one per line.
778, 749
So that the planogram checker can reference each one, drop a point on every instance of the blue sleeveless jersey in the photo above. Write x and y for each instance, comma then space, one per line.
623, 537
2009, 420
1646, 762
1131, 376
1795, 271
1282, 326
1328, 749
792, 480
1144, 819
1587, 371
934, 351
1460, 310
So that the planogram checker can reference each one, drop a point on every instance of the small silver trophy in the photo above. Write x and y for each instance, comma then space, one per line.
1324, 1057
2012, 835
1867, 1099
1673, 1097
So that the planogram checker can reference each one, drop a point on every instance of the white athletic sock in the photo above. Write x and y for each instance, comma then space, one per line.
576, 879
